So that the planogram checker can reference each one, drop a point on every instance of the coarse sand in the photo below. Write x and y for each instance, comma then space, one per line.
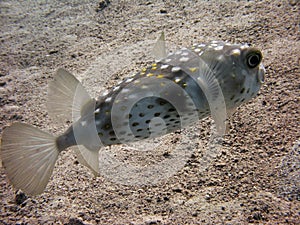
254, 179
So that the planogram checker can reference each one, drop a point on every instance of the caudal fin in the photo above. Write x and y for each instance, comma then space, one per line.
28, 156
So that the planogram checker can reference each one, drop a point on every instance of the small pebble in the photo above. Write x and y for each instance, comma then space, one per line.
20, 197
74, 221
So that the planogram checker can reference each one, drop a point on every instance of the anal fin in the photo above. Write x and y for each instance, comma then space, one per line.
88, 158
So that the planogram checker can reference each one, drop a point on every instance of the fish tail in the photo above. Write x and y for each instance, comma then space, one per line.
28, 157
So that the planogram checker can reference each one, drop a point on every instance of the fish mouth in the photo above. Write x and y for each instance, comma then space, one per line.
261, 74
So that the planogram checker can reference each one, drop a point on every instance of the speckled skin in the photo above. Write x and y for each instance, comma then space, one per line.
237, 68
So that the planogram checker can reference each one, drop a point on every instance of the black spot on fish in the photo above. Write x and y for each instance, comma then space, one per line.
139, 130
150, 106
242, 91
135, 124
156, 114
147, 121
106, 127
166, 116
113, 139
141, 114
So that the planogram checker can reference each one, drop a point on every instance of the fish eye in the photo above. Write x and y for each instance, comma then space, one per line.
253, 59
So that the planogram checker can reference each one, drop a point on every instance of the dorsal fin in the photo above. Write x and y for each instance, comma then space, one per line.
66, 97
159, 50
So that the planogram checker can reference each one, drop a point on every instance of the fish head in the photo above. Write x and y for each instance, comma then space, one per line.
238, 69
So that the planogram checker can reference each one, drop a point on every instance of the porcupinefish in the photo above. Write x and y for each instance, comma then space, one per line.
159, 99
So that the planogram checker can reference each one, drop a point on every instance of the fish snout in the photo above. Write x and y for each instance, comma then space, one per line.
261, 74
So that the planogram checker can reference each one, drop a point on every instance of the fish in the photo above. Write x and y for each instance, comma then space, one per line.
174, 92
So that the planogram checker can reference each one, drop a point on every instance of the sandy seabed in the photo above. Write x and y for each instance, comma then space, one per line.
255, 178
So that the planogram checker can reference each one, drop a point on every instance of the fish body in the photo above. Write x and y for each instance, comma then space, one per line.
239, 83
162, 98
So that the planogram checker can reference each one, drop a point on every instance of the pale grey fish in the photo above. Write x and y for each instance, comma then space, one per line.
160, 99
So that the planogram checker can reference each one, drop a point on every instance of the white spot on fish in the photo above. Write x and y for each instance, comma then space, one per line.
176, 69
219, 48
197, 50
168, 60
97, 110
236, 52
178, 52
132, 96
177, 80
220, 58
116, 88
108, 99
105, 93
214, 45
201, 45
83, 123
125, 90
185, 54
164, 66
128, 80
200, 53
244, 46
184, 59
98, 122
244, 72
